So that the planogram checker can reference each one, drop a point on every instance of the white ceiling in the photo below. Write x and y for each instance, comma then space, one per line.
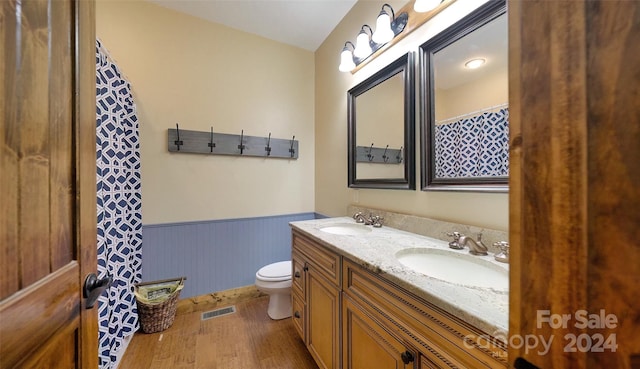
302, 23
489, 42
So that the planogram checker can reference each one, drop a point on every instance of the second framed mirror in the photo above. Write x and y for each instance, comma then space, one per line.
464, 112
381, 133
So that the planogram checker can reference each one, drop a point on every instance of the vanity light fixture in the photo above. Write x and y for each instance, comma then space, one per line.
422, 6
346, 58
474, 63
368, 42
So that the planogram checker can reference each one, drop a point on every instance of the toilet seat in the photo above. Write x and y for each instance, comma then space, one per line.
276, 272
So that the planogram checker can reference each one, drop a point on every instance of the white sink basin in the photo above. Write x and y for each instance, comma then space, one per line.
457, 268
346, 229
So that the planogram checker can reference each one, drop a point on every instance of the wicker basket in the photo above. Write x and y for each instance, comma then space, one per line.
160, 316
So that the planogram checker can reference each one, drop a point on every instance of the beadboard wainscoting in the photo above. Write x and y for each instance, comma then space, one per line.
219, 254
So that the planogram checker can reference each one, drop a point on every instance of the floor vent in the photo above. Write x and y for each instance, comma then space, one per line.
218, 312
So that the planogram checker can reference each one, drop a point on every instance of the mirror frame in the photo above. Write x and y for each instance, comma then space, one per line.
429, 182
403, 64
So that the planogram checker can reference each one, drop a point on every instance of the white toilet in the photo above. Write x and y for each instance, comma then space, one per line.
275, 280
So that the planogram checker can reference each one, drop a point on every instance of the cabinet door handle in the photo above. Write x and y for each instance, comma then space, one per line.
305, 268
297, 314
297, 274
406, 357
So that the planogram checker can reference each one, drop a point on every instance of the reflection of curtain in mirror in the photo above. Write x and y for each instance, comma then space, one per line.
475, 146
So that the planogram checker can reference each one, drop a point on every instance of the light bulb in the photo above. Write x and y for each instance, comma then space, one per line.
346, 61
363, 49
383, 33
422, 6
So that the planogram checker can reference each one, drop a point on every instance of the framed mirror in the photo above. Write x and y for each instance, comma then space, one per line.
464, 112
381, 133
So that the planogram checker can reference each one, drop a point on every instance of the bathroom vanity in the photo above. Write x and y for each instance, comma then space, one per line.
355, 305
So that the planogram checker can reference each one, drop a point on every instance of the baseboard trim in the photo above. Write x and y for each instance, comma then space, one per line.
217, 299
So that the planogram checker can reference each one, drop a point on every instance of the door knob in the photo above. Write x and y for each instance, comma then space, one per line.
297, 274
406, 357
94, 287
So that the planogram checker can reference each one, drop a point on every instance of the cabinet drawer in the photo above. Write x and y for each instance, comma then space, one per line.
298, 273
325, 262
298, 307
437, 334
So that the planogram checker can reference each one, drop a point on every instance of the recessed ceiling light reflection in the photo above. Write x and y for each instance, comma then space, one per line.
474, 63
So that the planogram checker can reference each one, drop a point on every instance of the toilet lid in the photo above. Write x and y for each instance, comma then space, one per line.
279, 271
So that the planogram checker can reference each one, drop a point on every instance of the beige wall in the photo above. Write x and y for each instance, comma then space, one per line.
477, 95
332, 194
189, 71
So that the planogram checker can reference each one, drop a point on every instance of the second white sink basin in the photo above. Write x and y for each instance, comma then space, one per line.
346, 229
457, 268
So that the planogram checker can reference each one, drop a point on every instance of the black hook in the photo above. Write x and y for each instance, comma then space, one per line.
178, 142
400, 155
291, 149
369, 154
241, 146
384, 155
211, 144
268, 148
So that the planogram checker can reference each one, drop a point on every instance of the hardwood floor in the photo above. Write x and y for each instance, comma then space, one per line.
245, 339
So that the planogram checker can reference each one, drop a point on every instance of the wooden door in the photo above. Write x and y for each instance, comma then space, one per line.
47, 183
574, 95
323, 320
366, 344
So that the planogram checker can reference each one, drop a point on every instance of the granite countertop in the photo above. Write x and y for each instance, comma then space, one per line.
485, 308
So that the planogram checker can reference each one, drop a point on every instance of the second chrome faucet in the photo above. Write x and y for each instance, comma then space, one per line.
475, 247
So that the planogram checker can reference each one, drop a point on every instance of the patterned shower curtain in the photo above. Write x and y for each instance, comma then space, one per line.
476, 146
119, 206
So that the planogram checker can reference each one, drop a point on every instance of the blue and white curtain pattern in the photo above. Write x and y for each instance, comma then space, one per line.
119, 206
476, 146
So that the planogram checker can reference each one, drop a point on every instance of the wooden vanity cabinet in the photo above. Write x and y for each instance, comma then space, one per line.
352, 318
442, 340
316, 296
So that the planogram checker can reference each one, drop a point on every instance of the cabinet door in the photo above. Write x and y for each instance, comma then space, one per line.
366, 344
323, 320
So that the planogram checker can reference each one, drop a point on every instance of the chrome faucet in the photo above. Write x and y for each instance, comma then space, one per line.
475, 247
503, 256
374, 220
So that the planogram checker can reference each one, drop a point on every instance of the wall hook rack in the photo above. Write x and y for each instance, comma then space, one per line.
377, 155
197, 142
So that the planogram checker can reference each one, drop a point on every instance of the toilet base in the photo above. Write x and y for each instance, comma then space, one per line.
279, 306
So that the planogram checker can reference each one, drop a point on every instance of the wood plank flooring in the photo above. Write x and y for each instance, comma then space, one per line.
245, 339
